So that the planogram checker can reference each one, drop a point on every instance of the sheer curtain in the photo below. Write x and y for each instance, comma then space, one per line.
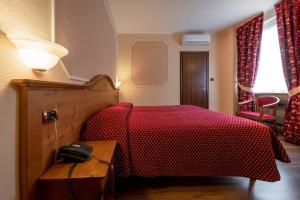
270, 77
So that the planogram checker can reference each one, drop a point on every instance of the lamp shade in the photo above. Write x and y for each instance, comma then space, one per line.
39, 55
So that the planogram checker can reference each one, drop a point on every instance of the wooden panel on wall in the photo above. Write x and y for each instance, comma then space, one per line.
74, 105
149, 63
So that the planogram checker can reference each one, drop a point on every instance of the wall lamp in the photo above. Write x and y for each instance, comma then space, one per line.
39, 55
118, 84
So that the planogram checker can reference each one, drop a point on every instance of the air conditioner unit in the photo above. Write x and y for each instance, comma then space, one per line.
196, 39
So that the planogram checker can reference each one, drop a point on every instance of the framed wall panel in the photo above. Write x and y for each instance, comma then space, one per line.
149, 63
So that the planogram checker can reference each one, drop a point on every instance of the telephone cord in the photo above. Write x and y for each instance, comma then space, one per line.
73, 195
101, 160
110, 166
56, 137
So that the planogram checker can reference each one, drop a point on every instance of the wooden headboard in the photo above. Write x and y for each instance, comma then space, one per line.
74, 105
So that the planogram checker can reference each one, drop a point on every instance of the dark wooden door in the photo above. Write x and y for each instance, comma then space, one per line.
194, 78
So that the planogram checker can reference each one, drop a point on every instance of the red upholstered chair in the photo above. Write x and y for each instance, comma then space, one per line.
263, 103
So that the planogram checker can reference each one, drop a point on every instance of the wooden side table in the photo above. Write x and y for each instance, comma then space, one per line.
90, 180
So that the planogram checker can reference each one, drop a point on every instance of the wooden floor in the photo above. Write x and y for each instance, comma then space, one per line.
217, 188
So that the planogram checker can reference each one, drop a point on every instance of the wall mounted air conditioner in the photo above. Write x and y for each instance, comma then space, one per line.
196, 39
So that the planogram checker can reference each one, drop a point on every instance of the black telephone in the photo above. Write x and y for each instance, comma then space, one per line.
76, 152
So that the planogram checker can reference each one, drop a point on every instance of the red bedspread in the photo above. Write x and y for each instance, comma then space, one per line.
187, 141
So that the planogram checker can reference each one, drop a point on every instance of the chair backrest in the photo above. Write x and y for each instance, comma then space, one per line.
265, 100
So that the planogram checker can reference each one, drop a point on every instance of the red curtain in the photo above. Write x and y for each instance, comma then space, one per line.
288, 19
248, 43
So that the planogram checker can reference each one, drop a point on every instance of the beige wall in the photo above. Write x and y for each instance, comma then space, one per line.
167, 93
85, 27
26, 19
149, 63
221, 68
226, 54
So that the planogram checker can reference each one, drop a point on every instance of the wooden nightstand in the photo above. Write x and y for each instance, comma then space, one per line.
90, 180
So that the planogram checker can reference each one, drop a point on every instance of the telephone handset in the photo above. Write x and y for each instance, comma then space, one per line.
77, 152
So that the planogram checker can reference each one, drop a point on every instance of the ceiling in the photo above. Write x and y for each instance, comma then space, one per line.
173, 16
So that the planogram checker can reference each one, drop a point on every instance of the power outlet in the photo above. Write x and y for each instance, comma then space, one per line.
49, 116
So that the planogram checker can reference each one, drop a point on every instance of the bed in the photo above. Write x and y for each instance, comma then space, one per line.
186, 141
146, 139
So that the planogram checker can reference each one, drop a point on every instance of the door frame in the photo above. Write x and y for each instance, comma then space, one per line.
207, 74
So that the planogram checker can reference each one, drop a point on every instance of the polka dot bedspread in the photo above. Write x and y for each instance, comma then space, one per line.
186, 141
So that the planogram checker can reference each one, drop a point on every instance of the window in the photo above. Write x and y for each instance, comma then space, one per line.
270, 77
